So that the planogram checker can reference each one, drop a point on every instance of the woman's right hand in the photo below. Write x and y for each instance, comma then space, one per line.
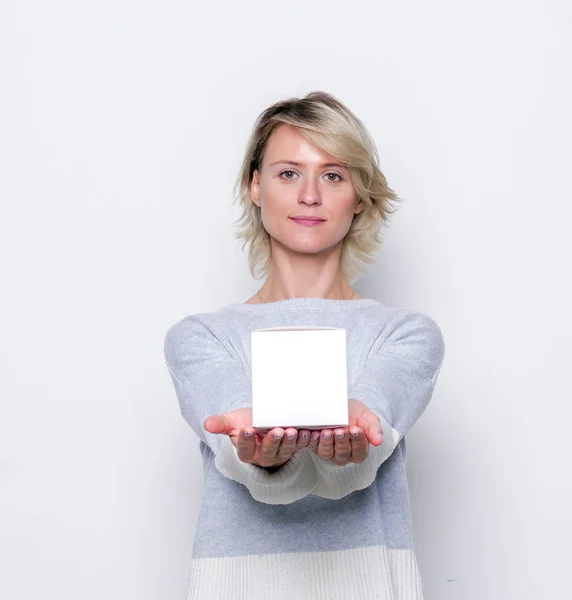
272, 449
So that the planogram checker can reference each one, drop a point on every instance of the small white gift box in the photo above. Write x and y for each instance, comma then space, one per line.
299, 377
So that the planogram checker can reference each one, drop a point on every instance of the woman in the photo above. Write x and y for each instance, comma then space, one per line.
301, 514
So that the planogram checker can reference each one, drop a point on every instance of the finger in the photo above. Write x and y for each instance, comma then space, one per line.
270, 444
217, 424
246, 444
342, 447
314, 441
360, 445
288, 445
326, 444
303, 439
372, 428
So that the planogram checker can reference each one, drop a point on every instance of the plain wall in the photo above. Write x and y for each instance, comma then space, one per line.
122, 128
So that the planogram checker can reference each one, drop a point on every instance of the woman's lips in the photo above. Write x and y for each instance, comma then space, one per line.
308, 222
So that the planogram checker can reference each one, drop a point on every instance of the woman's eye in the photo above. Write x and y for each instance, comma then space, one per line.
335, 175
287, 172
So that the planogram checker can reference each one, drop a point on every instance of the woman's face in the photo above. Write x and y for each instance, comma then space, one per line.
298, 179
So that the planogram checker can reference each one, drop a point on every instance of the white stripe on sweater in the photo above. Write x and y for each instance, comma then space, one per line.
370, 573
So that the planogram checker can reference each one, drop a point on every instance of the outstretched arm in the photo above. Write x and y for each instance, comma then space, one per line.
209, 379
395, 386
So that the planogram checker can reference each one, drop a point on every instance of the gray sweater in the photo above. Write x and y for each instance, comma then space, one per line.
311, 529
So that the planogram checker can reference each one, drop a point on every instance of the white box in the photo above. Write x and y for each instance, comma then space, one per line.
299, 377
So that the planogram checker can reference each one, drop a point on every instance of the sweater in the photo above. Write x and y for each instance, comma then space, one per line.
310, 529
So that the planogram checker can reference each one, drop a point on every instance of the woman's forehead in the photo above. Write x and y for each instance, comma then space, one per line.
288, 145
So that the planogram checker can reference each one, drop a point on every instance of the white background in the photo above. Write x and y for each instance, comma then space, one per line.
122, 126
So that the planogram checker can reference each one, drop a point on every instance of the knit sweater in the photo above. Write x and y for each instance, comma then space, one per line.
310, 529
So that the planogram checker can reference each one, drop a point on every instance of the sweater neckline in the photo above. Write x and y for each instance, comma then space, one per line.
302, 303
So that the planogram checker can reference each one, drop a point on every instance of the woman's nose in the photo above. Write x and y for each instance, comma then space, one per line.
309, 192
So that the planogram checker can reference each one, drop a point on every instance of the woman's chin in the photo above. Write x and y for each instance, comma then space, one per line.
306, 244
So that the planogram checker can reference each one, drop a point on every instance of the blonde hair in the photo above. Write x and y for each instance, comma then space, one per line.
333, 128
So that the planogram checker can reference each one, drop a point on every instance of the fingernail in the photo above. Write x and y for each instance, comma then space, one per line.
304, 435
278, 436
327, 436
340, 436
315, 435
355, 434
291, 436
248, 433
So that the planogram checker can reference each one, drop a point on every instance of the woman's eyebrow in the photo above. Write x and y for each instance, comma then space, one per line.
297, 164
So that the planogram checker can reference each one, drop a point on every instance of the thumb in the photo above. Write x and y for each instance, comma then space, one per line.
372, 427
218, 424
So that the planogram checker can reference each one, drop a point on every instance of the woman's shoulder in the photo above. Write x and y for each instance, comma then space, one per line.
202, 324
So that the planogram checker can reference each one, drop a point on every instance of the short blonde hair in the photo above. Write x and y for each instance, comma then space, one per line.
333, 128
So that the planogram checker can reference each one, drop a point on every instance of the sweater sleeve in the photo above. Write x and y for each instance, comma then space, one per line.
396, 383
209, 379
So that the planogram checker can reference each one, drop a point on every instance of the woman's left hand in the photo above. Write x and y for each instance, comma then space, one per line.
343, 445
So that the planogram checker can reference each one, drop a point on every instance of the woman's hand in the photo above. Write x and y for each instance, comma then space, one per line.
270, 450
349, 444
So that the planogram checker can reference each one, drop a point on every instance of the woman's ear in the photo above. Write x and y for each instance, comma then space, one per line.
360, 207
255, 188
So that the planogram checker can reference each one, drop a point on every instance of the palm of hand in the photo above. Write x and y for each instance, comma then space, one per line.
358, 414
263, 450
363, 422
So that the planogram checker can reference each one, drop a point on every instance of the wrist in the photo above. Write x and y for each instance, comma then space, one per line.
272, 469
